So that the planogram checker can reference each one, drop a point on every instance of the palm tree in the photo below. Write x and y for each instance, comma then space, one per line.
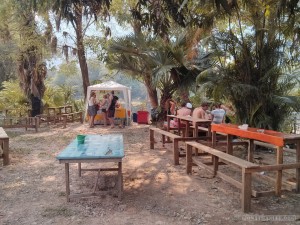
31, 69
160, 65
250, 71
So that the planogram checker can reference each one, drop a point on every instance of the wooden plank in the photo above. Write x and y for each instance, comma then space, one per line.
232, 159
269, 136
263, 168
267, 145
262, 193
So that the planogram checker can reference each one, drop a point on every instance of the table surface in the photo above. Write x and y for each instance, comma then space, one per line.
94, 147
268, 136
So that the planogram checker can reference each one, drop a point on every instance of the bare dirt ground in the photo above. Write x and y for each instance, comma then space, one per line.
32, 187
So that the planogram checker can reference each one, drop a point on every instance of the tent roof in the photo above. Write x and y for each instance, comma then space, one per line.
109, 85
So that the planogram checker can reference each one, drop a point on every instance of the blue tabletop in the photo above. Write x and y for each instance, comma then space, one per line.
95, 147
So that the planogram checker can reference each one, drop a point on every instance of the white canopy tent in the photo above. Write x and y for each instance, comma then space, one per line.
113, 86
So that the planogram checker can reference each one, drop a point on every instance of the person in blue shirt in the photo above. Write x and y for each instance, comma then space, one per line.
218, 114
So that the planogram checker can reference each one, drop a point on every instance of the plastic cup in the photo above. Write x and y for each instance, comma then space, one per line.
245, 126
80, 138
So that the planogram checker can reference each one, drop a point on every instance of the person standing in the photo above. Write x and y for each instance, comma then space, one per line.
111, 108
92, 111
104, 108
170, 106
218, 114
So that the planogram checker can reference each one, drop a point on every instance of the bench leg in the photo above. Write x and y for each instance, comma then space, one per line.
176, 152
163, 140
246, 191
65, 121
215, 160
189, 160
151, 139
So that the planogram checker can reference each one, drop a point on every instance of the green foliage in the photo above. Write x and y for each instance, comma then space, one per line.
13, 99
250, 73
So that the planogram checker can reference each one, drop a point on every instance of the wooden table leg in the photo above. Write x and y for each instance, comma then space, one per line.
120, 181
229, 145
251, 150
298, 170
67, 175
279, 172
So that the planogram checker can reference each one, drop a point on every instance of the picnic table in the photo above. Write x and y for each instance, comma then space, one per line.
278, 139
189, 122
95, 149
62, 114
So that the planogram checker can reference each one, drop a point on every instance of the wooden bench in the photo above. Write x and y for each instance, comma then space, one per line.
174, 139
247, 169
4, 143
20, 122
71, 117
63, 118
217, 155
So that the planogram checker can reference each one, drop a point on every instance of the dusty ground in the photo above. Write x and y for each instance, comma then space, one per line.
32, 188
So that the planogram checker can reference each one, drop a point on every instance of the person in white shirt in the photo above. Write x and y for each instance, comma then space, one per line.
185, 110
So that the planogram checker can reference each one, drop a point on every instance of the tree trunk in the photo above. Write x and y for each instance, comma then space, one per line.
152, 92
81, 51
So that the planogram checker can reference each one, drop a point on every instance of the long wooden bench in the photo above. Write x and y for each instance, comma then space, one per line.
247, 169
20, 122
217, 156
4, 143
174, 139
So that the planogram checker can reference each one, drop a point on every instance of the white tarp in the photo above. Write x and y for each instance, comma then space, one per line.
123, 92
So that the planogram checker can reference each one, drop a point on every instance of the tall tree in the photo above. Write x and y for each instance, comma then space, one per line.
75, 12
29, 54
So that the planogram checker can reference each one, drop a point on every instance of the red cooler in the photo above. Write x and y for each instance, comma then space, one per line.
142, 117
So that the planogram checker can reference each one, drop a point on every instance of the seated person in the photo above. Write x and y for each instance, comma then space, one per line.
201, 112
185, 110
